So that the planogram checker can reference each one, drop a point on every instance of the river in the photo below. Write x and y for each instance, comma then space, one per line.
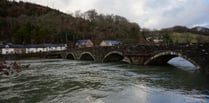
67, 81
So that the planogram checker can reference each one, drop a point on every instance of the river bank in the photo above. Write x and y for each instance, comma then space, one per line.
26, 56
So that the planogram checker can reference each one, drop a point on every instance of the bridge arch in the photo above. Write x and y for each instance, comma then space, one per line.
164, 57
70, 56
87, 56
113, 56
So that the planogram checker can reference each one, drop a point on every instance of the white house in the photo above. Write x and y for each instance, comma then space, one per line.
60, 47
41, 48
34, 48
19, 49
13, 49
45, 48
30, 49
7, 50
55, 47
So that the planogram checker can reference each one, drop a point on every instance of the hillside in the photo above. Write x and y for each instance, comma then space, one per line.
181, 34
26, 23
183, 29
175, 36
188, 37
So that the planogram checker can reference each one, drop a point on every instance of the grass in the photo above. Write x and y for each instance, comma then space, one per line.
188, 37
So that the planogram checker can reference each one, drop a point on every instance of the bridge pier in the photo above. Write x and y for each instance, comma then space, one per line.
137, 59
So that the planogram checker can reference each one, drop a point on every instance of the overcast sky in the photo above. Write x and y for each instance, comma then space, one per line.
152, 14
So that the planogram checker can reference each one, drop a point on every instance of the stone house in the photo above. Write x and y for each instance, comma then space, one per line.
110, 43
84, 43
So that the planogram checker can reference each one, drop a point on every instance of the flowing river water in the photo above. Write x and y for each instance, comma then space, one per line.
67, 81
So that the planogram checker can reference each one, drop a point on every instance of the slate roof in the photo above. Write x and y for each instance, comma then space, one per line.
43, 45
2, 46
32, 45
15, 46
79, 42
113, 42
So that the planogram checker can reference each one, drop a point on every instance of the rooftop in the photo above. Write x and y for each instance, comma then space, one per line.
112, 41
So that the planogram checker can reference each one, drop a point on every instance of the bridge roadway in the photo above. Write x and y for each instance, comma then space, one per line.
197, 54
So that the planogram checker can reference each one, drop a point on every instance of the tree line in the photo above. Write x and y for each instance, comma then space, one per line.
26, 23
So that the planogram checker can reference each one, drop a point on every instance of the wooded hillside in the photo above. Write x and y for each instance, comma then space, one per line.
26, 23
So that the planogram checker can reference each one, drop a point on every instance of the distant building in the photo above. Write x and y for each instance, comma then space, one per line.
45, 48
110, 43
34, 48
55, 47
7, 49
12, 49
84, 43
18, 49
155, 39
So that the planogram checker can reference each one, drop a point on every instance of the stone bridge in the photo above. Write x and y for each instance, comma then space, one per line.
197, 54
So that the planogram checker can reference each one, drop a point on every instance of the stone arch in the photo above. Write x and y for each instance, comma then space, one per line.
70, 56
164, 57
86, 56
113, 56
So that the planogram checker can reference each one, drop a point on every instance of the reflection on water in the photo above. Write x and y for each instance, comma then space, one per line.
64, 81
144, 94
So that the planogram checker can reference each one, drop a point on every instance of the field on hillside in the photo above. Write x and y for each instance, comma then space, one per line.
188, 38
